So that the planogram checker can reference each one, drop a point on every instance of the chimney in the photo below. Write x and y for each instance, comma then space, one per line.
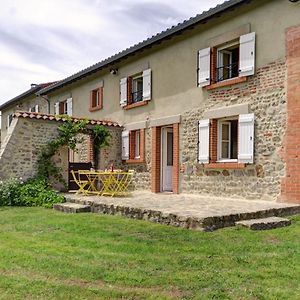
33, 85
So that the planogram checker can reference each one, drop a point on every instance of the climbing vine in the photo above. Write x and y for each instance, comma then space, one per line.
69, 135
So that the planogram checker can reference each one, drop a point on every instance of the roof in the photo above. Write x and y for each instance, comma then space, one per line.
57, 118
164, 35
32, 91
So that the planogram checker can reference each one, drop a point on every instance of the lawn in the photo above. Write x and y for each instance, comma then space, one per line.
49, 255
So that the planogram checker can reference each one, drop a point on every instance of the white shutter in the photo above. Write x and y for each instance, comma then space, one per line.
147, 85
204, 67
246, 138
56, 108
36, 108
203, 143
123, 92
247, 54
69, 106
125, 145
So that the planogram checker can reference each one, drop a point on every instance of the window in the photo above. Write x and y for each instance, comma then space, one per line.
64, 107
133, 145
96, 99
233, 59
228, 140
135, 90
227, 62
34, 108
137, 144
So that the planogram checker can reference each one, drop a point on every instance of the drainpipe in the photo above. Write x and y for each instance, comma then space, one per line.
48, 102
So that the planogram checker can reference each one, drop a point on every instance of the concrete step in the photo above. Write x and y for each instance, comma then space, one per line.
264, 224
72, 208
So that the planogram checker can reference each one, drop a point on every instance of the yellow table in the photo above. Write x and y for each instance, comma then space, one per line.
107, 183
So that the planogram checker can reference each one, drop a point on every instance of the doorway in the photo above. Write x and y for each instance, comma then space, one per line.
167, 159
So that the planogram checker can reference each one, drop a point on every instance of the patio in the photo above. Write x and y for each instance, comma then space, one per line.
190, 211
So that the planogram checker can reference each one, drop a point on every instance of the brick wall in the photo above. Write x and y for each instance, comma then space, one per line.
291, 153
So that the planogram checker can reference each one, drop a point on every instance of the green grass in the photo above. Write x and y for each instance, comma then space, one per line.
50, 255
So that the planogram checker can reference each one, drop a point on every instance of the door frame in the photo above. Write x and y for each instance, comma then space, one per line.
163, 139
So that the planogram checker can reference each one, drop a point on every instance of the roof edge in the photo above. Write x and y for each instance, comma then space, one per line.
180, 27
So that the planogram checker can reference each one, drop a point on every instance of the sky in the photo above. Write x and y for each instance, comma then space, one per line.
48, 40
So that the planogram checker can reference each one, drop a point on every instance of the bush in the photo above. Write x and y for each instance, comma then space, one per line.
34, 192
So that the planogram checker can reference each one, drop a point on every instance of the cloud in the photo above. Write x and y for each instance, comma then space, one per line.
42, 41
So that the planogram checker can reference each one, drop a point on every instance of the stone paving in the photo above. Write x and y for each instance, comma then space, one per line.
189, 211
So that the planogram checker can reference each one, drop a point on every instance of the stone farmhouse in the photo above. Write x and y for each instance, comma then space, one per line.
210, 106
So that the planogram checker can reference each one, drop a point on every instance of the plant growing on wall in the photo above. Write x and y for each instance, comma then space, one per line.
69, 136
100, 136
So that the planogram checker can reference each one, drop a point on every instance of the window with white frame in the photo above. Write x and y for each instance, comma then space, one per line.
235, 58
64, 107
34, 108
137, 144
227, 61
133, 143
227, 140
135, 88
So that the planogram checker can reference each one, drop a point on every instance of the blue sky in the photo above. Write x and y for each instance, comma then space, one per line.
48, 40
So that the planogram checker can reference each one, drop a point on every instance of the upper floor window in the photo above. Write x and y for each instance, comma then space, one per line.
135, 90
96, 99
64, 107
34, 108
227, 62
224, 62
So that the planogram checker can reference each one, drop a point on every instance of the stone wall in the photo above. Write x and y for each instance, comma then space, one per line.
113, 153
266, 94
25, 139
22, 144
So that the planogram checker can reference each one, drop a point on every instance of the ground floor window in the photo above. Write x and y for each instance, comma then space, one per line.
228, 140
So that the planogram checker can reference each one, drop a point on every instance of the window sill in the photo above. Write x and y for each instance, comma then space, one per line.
225, 165
137, 104
95, 108
227, 82
134, 161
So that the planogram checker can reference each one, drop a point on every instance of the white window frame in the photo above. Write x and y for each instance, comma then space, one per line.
220, 51
134, 84
137, 154
220, 139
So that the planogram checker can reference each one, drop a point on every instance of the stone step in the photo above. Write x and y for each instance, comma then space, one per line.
264, 224
72, 208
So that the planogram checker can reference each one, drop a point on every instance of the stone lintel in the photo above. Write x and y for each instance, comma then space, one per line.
227, 111
135, 126
165, 121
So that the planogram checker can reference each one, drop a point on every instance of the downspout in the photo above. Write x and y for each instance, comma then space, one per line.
48, 101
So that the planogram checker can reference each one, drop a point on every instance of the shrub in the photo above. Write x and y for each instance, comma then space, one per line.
10, 192
34, 192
